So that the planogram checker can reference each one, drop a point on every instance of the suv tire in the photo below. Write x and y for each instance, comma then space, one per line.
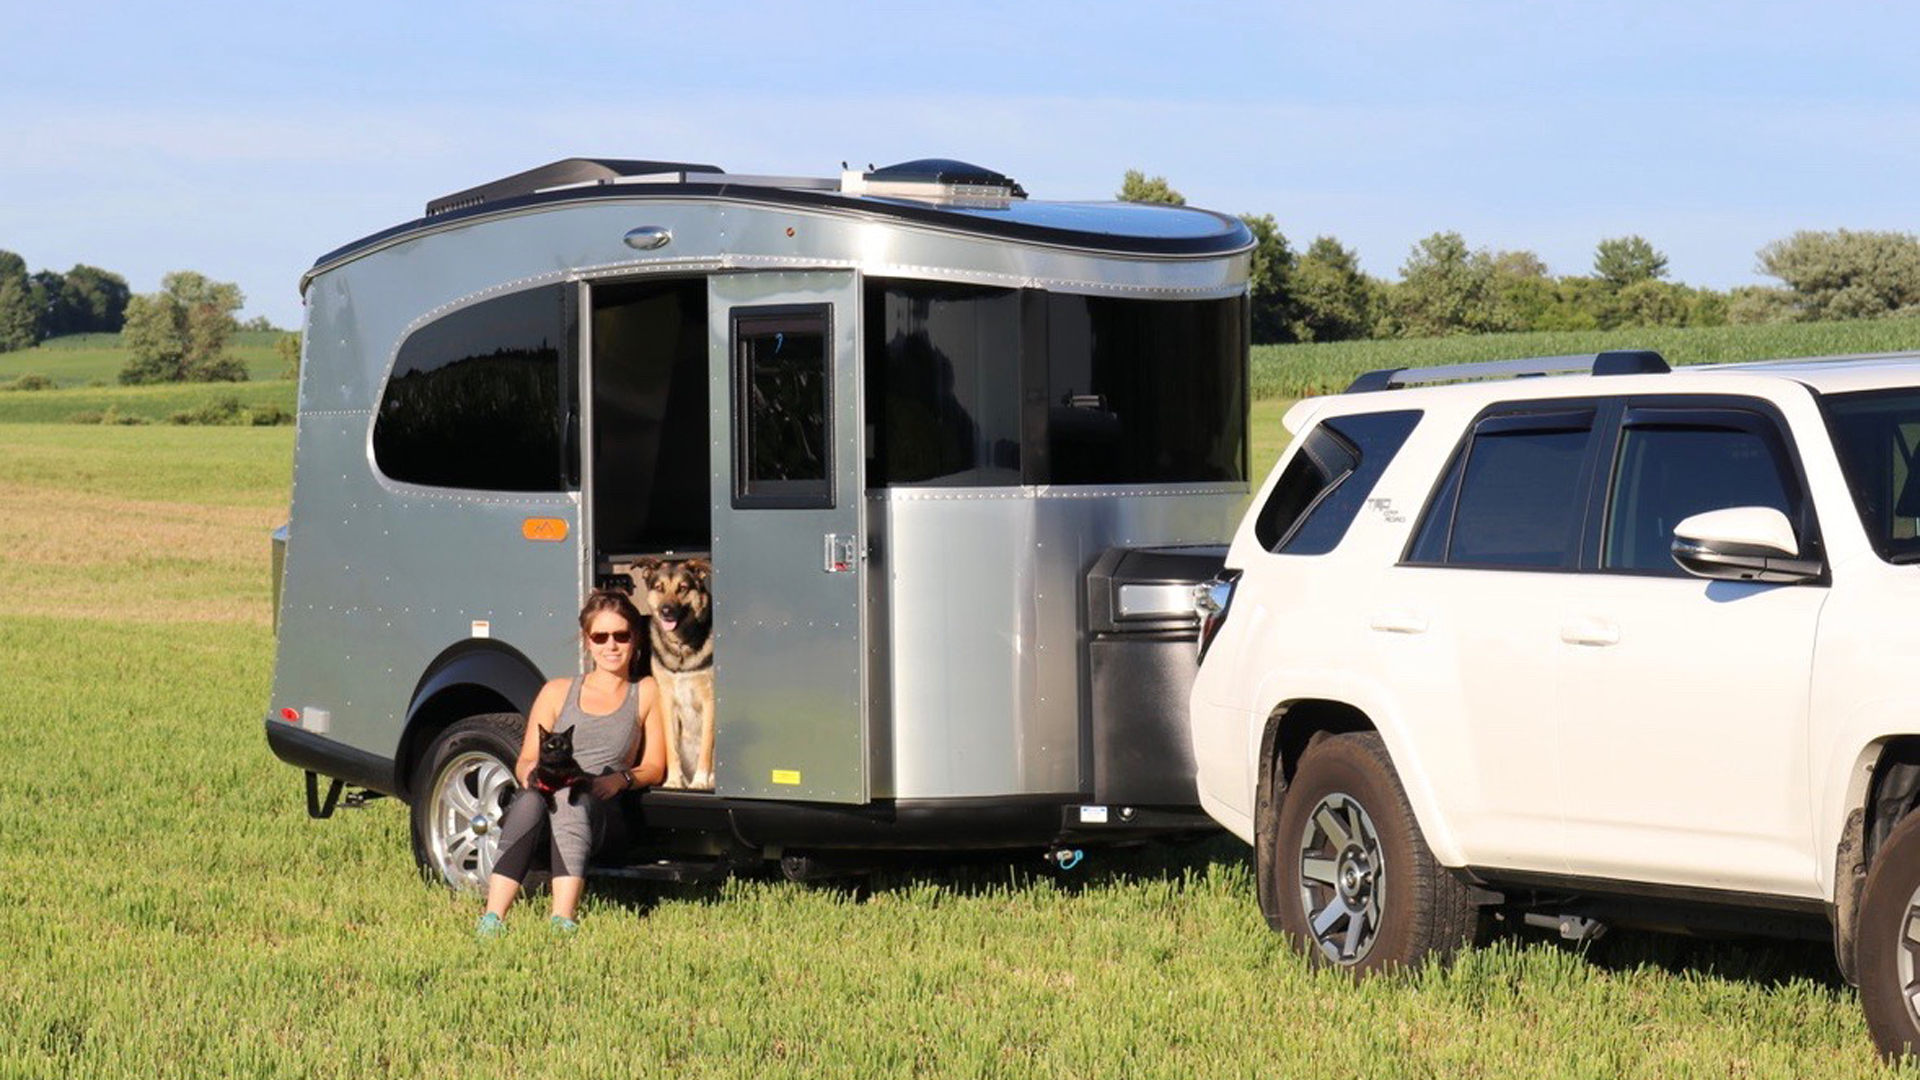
1353, 879
461, 789
1886, 956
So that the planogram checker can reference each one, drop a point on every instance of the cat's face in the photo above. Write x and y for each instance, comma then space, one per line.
557, 744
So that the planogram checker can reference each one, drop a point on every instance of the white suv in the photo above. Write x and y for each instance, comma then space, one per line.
1626, 646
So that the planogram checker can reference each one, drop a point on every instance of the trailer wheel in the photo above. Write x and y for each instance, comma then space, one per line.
461, 791
1354, 882
1887, 943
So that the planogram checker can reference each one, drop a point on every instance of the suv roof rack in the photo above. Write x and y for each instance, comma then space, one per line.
1618, 362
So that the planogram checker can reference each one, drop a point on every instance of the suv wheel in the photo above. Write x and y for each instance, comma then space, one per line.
460, 795
1887, 945
1355, 884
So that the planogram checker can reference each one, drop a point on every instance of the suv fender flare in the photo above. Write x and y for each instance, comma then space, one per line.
1376, 710
468, 678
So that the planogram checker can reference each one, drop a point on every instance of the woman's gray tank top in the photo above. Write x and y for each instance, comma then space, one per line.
600, 743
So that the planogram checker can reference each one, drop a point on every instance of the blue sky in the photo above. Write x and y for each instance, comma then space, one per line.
243, 140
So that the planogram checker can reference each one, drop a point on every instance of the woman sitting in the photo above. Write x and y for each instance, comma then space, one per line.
617, 742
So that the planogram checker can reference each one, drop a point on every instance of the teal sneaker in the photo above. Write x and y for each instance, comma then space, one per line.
490, 926
562, 925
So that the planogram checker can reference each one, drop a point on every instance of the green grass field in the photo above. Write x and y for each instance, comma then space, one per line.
168, 909
82, 359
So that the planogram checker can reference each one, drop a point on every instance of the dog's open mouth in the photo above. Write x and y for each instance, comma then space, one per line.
667, 622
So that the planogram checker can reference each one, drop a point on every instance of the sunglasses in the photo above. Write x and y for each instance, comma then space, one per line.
599, 637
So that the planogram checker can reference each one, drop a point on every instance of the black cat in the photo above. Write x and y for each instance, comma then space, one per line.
557, 769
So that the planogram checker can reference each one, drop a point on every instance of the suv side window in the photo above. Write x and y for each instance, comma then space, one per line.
1674, 463
1514, 496
1326, 483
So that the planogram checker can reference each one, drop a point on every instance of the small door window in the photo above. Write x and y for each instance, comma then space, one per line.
782, 397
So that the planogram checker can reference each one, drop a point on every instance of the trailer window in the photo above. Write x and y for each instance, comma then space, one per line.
1145, 391
781, 403
477, 399
943, 384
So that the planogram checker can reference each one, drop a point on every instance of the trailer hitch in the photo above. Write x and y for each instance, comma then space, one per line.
318, 807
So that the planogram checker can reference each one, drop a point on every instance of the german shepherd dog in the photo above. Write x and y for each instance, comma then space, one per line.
680, 628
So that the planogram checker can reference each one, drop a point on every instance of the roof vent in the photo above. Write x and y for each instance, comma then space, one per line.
937, 180
571, 172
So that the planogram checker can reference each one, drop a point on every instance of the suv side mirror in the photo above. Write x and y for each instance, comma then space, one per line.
1742, 543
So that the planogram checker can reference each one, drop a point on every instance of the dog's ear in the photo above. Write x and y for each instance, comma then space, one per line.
644, 571
702, 571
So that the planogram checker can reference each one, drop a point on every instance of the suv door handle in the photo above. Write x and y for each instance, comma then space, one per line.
1590, 632
1399, 622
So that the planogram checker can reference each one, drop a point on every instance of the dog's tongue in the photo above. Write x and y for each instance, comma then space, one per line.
666, 623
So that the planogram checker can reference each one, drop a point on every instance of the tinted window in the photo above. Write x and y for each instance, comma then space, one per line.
478, 399
1519, 498
1327, 481
1144, 391
781, 454
652, 487
943, 384
1669, 473
1877, 437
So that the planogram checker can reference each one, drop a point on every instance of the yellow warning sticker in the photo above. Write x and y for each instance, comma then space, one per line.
786, 776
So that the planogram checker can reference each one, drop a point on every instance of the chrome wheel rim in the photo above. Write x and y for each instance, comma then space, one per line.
1342, 878
1907, 958
468, 805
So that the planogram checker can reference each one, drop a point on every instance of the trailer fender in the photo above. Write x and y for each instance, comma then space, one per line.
469, 678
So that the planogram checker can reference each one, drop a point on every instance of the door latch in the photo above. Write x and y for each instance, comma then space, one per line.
842, 551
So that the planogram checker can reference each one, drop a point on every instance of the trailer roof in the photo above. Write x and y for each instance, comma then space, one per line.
950, 195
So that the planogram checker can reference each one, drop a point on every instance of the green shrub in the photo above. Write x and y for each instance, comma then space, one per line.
30, 382
227, 411
110, 415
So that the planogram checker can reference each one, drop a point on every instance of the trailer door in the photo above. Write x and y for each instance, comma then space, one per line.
789, 536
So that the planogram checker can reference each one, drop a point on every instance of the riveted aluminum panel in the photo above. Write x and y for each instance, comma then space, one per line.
986, 693
789, 663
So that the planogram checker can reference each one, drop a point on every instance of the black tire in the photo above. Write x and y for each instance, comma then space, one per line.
1886, 958
461, 789
1354, 883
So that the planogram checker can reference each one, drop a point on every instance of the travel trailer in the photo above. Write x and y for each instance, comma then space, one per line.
954, 454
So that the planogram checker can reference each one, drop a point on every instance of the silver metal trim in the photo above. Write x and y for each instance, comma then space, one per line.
1139, 600
1048, 491
843, 213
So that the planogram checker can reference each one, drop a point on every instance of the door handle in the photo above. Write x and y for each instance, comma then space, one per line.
1398, 622
1590, 632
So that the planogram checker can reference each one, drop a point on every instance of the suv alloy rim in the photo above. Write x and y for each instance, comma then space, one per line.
1342, 878
469, 805
1907, 960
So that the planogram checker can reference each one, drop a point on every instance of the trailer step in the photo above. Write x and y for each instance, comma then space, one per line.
672, 871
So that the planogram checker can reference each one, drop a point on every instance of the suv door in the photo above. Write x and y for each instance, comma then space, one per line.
1683, 713
1466, 625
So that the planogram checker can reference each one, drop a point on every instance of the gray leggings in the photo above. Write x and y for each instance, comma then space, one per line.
571, 834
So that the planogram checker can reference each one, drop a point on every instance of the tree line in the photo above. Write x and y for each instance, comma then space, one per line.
1447, 287
178, 334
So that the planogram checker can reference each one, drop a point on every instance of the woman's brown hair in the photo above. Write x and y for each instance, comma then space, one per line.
614, 600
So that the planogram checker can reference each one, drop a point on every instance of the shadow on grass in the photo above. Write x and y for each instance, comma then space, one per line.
1761, 961
861, 876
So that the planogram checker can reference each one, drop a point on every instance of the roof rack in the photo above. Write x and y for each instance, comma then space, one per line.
563, 173
1619, 362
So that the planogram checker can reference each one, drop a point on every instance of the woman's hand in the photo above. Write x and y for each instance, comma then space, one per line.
613, 783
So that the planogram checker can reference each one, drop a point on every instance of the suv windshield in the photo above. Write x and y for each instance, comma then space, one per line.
1877, 434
